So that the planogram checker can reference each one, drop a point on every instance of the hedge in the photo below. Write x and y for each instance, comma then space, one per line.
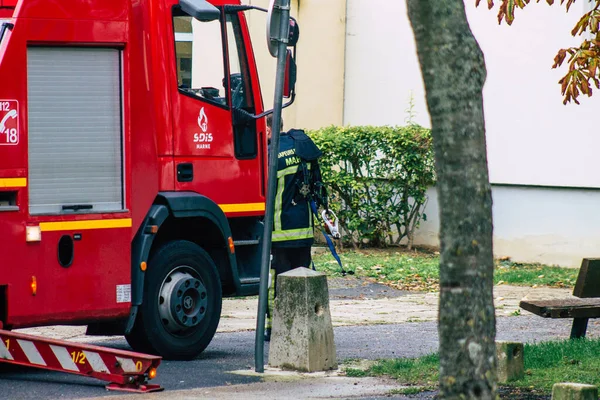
377, 179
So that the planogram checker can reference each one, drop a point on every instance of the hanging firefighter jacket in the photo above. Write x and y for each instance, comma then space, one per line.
298, 181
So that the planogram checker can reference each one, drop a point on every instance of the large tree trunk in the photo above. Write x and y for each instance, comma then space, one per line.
454, 72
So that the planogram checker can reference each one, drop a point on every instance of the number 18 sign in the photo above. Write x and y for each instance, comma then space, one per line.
9, 122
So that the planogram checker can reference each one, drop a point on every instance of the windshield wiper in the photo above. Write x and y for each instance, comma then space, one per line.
5, 26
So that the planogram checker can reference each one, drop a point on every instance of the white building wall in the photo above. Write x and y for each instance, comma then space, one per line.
534, 224
532, 138
320, 61
382, 69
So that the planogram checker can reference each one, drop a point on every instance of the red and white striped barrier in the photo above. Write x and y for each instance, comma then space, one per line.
126, 370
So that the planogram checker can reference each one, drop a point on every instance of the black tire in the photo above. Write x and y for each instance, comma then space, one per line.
182, 303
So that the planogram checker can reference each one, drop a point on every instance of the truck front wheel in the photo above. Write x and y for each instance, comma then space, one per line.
182, 303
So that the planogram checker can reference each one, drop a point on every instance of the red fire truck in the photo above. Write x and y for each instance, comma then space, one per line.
133, 164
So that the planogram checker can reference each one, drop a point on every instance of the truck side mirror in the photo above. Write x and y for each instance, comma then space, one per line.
200, 9
290, 75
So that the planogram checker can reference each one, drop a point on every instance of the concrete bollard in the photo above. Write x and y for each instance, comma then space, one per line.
510, 361
302, 333
574, 391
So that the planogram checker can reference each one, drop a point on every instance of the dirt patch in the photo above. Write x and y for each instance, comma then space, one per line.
521, 394
358, 288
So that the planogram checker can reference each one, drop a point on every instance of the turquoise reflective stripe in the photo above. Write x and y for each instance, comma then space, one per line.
293, 234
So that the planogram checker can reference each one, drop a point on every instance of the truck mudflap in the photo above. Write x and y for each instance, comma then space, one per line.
140, 250
124, 370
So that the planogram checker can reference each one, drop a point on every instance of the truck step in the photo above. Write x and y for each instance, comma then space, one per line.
249, 281
245, 242
124, 370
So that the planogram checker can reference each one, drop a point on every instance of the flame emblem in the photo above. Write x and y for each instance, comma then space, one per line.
203, 120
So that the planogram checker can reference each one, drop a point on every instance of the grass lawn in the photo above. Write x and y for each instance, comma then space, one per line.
420, 270
545, 364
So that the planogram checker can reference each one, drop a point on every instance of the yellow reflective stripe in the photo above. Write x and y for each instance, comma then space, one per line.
13, 182
292, 234
287, 171
83, 225
279, 203
290, 170
243, 207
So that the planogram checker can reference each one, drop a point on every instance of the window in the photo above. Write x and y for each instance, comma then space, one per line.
241, 93
199, 53
244, 135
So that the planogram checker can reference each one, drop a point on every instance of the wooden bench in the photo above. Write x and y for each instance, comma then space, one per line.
584, 305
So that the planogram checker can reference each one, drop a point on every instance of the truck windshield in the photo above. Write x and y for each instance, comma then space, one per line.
4, 25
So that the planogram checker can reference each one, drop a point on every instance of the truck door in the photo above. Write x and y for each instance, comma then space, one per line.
213, 156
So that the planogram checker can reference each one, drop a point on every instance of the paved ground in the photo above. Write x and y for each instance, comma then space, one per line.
353, 302
371, 322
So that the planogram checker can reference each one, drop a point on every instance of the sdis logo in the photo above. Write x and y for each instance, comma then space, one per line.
203, 139
9, 122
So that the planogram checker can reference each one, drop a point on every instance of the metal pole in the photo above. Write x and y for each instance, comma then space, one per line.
259, 342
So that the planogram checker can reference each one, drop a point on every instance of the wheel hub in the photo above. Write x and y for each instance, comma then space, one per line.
182, 301
188, 302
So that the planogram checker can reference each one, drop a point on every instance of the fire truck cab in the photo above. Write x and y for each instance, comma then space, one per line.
132, 167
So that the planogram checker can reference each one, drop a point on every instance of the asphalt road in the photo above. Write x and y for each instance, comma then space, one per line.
235, 351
